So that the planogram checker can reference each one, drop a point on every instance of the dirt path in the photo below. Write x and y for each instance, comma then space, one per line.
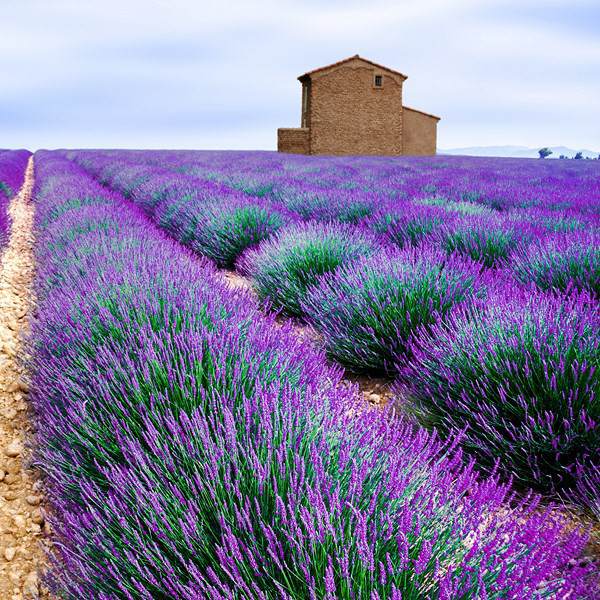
21, 519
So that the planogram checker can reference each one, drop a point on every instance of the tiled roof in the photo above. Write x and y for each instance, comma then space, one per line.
340, 62
422, 112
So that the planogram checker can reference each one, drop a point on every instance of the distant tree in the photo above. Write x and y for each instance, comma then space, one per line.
578, 156
543, 152
563, 156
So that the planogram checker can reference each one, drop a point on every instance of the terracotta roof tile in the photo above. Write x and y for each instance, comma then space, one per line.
340, 62
422, 112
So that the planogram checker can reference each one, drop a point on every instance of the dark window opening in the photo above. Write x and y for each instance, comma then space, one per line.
378, 80
305, 104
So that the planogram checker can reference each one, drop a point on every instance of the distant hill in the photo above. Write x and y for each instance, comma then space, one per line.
517, 151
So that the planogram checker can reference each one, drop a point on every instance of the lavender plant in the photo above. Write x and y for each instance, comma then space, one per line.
285, 266
450, 206
471, 184
549, 220
561, 263
224, 230
521, 372
487, 241
587, 488
194, 449
408, 225
158, 188
12, 173
327, 205
210, 218
271, 504
368, 309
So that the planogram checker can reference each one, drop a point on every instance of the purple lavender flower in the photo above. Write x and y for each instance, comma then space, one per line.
195, 448
562, 262
12, 174
368, 309
285, 266
521, 373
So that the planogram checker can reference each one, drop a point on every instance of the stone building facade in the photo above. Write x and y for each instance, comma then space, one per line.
355, 106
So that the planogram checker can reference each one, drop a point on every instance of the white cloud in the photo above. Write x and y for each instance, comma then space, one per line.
208, 73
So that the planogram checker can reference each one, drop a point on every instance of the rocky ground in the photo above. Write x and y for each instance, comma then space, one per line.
22, 525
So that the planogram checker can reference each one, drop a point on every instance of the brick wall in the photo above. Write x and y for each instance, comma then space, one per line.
293, 141
420, 133
348, 115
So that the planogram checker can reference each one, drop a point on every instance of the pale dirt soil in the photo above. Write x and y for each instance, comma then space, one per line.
22, 525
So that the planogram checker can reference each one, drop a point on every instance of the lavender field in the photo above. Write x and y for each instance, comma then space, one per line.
194, 445
12, 172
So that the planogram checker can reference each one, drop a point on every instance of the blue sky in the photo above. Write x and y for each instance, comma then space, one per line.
222, 74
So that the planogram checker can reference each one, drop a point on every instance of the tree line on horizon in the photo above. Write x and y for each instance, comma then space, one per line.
545, 152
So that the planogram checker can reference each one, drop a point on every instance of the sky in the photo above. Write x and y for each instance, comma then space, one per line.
222, 74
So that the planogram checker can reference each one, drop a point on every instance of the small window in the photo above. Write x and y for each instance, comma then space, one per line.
378, 80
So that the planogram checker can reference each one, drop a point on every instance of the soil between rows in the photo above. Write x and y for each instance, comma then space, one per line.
22, 524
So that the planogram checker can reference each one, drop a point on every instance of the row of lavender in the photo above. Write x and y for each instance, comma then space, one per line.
544, 226
12, 173
496, 183
194, 448
560, 216
488, 318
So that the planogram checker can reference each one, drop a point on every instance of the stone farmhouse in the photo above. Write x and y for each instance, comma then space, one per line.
354, 106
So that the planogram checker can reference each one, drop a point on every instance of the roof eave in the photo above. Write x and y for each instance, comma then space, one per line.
422, 112
308, 74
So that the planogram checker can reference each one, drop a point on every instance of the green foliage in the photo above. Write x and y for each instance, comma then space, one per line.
224, 231
367, 310
284, 267
485, 242
5, 189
